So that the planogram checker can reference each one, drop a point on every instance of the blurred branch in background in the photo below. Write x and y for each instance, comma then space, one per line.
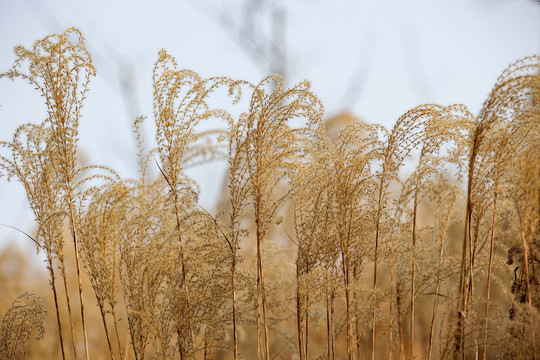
415, 63
259, 27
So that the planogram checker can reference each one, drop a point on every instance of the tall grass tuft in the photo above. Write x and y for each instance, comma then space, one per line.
330, 240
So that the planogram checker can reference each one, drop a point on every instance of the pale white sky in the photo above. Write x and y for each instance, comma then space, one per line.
401, 53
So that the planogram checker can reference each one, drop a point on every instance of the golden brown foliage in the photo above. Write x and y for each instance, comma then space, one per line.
22, 321
374, 219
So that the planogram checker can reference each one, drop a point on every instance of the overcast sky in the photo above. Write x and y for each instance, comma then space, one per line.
375, 58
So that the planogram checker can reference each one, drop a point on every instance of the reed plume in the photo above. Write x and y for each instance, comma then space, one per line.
21, 321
